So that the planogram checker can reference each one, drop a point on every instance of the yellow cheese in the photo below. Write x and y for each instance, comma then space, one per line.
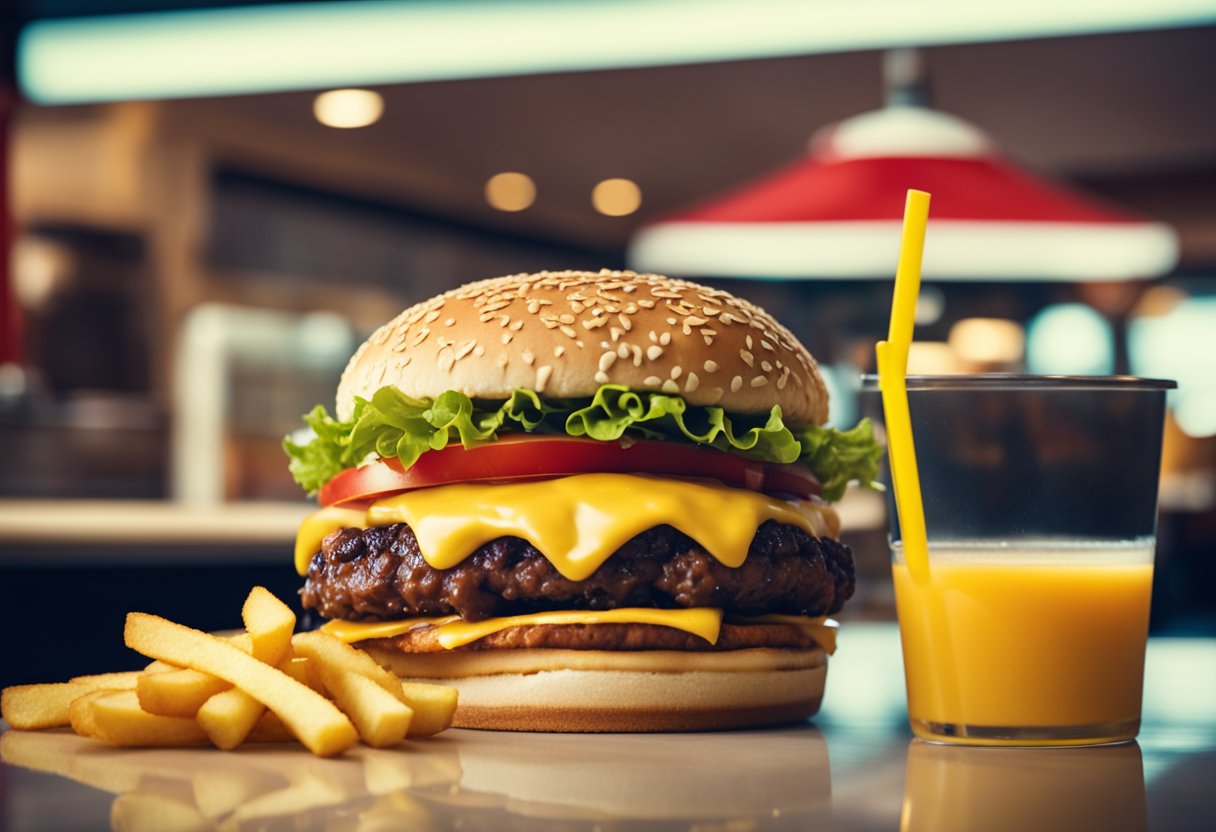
820, 628
452, 632
316, 527
578, 522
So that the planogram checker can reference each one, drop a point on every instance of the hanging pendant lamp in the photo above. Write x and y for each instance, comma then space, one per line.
835, 214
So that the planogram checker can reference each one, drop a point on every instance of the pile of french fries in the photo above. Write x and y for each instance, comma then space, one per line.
263, 685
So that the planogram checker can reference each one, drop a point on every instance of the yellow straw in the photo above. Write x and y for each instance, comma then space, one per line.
892, 370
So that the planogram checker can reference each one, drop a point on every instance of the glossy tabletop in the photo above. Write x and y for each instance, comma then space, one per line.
855, 768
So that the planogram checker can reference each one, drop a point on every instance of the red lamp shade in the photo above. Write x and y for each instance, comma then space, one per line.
836, 214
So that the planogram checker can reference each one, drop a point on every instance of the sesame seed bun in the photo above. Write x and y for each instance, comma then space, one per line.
564, 334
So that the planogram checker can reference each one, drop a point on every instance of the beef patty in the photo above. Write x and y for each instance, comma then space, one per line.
379, 574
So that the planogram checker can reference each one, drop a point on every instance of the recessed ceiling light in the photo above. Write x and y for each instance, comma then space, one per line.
348, 108
616, 197
510, 191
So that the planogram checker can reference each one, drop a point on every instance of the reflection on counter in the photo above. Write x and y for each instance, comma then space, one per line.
1043, 789
486, 780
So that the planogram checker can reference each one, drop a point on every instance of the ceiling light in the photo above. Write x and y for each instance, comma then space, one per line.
616, 197
348, 108
277, 47
510, 191
987, 340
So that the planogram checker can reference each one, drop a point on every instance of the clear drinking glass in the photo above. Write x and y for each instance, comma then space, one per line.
1040, 498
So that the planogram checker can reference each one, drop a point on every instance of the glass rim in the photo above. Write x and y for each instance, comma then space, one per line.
1025, 381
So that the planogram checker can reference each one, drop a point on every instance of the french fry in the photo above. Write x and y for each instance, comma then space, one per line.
269, 728
270, 624
31, 707
335, 654
181, 691
177, 693
115, 717
228, 717
316, 721
123, 680
380, 719
433, 705
303, 671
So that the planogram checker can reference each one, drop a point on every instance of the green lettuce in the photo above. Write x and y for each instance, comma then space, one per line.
391, 424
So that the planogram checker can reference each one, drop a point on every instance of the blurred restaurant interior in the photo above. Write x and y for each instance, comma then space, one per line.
203, 222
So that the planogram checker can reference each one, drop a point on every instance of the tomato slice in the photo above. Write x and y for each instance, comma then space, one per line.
523, 457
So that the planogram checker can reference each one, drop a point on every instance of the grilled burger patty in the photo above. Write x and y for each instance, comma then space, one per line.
379, 574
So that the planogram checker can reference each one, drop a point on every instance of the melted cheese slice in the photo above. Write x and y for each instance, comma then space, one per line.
320, 525
820, 628
452, 632
577, 522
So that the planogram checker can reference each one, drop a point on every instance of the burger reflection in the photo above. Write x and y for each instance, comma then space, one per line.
465, 779
1044, 789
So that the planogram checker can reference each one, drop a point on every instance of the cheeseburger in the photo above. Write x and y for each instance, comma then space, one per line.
588, 501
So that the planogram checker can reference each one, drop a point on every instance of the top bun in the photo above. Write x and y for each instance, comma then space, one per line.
563, 334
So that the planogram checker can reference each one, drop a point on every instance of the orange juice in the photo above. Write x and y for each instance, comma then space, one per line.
1040, 642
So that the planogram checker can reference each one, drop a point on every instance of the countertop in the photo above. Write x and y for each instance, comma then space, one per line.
855, 767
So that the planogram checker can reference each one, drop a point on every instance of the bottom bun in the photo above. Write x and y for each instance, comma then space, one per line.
710, 691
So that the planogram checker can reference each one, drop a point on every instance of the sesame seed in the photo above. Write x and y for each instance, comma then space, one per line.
749, 342
736, 384
691, 383
748, 358
711, 366
764, 365
646, 303
653, 352
651, 381
623, 350
637, 355
446, 359
654, 338
528, 357
431, 316
671, 321
517, 325
607, 360
568, 331
506, 338
558, 350
578, 343
502, 360
615, 333
693, 320
419, 336
465, 349
676, 371
759, 381
785, 376
766, 345
626, 324
601, 376
449, 322
665, 339
542, 377
479, 351
566, 319
709, 340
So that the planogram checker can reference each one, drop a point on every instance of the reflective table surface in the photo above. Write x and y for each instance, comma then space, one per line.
855, 768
